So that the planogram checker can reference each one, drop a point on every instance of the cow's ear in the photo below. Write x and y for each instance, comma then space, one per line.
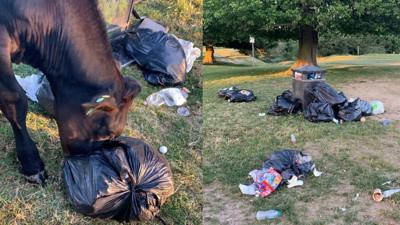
104, 103
132, 89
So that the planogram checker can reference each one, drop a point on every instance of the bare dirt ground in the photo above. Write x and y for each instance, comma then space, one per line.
386, 91
225, 208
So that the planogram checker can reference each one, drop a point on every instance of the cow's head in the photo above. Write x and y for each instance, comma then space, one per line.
106, 114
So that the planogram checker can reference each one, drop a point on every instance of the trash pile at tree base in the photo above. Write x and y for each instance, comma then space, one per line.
325, 104
125, 180
235, 94
282, 167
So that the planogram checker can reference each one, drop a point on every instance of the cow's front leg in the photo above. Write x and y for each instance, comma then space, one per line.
13, 104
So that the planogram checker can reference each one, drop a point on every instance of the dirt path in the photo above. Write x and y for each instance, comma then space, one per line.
225, 208
386, 91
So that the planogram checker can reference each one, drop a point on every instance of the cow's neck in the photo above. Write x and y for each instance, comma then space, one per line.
78, 52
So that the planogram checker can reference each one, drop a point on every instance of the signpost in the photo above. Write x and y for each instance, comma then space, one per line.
252, 41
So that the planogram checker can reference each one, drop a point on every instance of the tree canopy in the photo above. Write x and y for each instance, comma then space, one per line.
229, 23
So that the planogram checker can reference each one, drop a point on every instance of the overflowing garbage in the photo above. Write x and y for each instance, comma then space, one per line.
125, 180
282, 167
324, 104
235, 94
164, 59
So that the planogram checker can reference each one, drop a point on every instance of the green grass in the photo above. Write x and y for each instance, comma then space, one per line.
237, 141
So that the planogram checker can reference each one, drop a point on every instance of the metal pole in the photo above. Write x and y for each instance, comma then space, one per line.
252, 51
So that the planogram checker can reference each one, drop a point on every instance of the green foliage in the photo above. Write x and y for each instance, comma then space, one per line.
229, 23
347, 44
182, 17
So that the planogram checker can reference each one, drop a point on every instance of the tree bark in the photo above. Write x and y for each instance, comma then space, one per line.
209, 55
308, 47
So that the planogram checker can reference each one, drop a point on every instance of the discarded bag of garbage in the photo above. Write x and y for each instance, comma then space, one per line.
235, 94
168, 96
290, 163
37, 89
158, 53
319, 112
126, 180
285, 104
353, 111
285, 166
323, 92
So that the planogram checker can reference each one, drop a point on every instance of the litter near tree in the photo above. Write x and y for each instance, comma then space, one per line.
235, 94
285, 104
125, 180
321, 103
282, 167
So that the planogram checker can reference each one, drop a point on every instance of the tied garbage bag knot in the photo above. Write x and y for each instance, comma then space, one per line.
125, 180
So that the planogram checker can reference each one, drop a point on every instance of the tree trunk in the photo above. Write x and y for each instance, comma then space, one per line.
308, 46
209, 55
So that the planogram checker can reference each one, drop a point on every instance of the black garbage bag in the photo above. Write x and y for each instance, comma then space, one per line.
290, 163
323, 92
126, 180
224, 92
242, 95
158, 53
235, 94
353, 111
285, 104
319, 112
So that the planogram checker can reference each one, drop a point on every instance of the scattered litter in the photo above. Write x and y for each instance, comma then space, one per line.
124, 180
293, 139
356, 197
163, 149
377, 107
37, 89
30, 84
270, 214
378, 195
322, 103
343, 209
261, 114
316, 172
294, 182
285, 166
168, 96
248, 189
235, 94
285, 104
183, 111
387, 182
386, 122
164, 58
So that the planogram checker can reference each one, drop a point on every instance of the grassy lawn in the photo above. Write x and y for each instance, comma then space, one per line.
355, 157
23, 203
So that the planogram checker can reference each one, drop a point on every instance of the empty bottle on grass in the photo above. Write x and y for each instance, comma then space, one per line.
269, 214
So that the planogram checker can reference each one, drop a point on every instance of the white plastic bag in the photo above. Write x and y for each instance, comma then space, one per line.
168, 96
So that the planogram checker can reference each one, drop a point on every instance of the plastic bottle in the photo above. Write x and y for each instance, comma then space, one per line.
270, 214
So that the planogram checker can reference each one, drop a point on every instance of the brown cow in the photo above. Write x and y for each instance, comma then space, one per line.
67, 41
